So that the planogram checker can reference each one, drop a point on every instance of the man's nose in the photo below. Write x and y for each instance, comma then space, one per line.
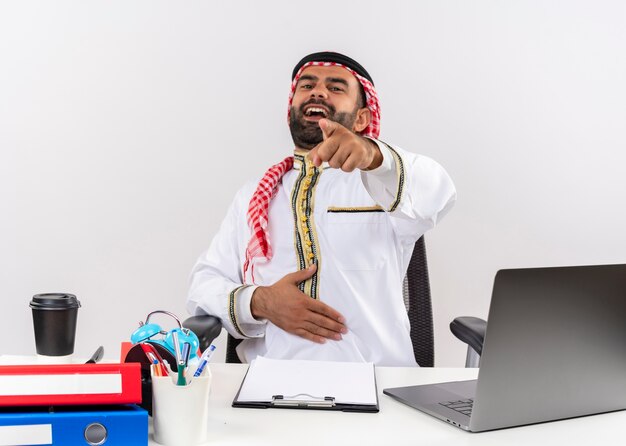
319, 91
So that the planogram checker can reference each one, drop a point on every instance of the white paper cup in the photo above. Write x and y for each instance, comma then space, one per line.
180, 413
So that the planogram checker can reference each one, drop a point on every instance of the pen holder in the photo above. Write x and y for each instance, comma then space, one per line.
180, 413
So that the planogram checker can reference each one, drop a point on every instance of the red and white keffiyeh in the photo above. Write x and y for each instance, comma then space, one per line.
259, 246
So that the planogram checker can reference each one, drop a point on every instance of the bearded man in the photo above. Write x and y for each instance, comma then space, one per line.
309, 261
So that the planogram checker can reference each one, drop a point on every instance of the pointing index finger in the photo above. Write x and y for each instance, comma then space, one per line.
325, 150
328, 127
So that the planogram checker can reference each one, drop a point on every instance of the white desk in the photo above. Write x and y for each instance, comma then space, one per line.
395, 424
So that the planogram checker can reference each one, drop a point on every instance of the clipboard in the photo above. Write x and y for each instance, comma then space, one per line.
322, 385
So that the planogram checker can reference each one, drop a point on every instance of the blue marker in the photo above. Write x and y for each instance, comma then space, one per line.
185, 353
204, 359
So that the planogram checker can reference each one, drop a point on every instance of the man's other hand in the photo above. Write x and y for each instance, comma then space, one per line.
344, 149
290, 309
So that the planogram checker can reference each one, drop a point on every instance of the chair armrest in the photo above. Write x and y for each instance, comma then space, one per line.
470, 330
206, 327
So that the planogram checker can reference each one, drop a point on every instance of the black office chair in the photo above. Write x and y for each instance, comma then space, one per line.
471, 331
416, 290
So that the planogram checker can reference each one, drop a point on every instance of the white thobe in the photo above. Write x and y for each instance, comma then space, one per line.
359, 228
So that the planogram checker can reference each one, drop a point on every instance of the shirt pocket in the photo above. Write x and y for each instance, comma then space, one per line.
358, 237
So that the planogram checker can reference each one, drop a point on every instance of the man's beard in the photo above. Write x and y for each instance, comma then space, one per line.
307, 134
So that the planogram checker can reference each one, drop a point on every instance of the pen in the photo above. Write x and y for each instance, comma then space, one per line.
182, 364
185, 354
204, 359
97, 356
157, 369
208, 352
149, 349
181, 376
176, 346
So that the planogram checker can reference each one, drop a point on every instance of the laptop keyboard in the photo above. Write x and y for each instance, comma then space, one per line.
461, 406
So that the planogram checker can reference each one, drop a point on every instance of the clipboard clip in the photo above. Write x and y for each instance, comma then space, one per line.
303, 400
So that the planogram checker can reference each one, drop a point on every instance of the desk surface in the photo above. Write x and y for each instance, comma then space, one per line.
395, 424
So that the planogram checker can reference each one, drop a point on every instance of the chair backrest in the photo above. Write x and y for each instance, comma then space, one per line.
416, 291
231, 353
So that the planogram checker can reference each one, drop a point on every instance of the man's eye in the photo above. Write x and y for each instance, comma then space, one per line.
335, 89
306, 86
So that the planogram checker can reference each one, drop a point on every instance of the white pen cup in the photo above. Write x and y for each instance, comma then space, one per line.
180, 414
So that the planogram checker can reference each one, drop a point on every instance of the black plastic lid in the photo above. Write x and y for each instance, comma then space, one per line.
54, 301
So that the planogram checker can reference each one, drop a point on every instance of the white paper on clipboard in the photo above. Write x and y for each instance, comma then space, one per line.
346, 382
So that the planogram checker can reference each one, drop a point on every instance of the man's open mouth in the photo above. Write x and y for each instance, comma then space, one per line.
315, 111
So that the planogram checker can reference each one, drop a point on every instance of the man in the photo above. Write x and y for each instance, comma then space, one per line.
309, 262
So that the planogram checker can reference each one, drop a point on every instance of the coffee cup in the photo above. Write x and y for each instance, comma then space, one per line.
54, 321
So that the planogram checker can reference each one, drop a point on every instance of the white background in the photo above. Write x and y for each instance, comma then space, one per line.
127, 126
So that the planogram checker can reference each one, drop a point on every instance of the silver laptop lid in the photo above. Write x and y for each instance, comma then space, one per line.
555, 346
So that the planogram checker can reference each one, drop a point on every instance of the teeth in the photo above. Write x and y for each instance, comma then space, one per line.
315, 110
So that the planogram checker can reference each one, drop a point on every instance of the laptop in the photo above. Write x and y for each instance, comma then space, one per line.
555, 348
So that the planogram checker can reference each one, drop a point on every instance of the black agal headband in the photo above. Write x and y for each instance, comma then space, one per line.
328, 56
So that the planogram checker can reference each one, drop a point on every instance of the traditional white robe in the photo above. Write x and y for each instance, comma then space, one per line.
360, 229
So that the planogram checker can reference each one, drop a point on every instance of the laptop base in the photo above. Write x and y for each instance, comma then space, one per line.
428, 398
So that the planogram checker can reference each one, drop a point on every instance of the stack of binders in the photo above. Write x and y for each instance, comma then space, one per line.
72, 404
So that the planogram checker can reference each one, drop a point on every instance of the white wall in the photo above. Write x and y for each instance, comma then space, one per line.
127, 126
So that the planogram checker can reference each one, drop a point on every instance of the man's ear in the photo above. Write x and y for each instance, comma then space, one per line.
363, 119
